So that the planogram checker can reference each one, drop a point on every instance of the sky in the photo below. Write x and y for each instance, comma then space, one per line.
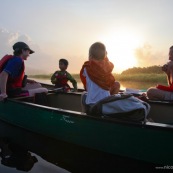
136, 33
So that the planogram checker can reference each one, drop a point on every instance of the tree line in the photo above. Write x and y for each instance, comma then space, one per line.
136, 70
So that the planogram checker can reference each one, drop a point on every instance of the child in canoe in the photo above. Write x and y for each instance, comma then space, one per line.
96, 75
61, 77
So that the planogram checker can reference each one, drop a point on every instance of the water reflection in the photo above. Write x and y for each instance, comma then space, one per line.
124, 84
26, 151
15, 156
137, 85
22, 150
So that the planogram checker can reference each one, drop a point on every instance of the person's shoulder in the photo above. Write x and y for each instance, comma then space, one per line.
68, 74
56, 72
170, 64
16, 59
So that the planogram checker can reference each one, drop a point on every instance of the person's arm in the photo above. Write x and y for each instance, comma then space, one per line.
166, 70
31, 81
168, 79
73, 81
3, 83
169, 73
53, 78
170, 67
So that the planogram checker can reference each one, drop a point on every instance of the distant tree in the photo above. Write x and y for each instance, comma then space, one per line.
136, 70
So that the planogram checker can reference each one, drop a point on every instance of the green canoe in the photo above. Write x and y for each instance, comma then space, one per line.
63, 120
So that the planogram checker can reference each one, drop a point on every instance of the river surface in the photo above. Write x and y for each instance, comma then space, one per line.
124, 85
23, 151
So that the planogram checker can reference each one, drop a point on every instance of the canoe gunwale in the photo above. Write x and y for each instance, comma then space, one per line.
162, 102
103, 119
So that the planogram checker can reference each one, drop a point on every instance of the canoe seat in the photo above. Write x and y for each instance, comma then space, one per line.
67, 101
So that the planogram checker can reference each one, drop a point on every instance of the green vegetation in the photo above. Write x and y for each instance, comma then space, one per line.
41, 76
136, 74
146, 70
150, 77
48, 76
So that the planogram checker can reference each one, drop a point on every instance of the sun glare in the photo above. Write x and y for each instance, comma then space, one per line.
120, 48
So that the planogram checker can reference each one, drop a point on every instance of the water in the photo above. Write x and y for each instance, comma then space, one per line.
124, 85
42, 166
23, 151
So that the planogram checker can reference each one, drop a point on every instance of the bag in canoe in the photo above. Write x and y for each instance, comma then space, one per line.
123, 107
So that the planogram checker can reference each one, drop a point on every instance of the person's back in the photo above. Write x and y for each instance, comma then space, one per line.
96, 75
94, 91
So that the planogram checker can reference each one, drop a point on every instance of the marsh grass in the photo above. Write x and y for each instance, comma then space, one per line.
150, 77
40, 76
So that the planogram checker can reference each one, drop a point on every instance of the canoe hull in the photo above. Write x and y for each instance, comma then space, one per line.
151, 142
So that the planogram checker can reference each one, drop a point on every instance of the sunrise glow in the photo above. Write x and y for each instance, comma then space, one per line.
120, 47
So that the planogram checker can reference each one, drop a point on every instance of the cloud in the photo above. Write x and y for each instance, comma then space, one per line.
147, 56
45, 59
6, 40
37, 63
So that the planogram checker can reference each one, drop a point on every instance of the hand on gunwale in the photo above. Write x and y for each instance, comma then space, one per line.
3, 96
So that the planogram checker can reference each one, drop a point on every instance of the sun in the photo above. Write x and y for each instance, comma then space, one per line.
121, 49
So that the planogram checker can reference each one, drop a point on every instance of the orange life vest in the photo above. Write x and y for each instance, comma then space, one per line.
13, 82
99, 72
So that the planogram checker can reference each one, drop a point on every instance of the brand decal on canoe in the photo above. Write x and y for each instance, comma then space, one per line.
67, 119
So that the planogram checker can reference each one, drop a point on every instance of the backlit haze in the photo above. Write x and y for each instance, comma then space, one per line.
135, 32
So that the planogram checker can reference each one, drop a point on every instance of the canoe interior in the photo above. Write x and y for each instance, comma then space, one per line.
160, 112
67, 101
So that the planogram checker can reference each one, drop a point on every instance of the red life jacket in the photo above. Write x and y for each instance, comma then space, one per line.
12, 82
165, 88
62, 82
